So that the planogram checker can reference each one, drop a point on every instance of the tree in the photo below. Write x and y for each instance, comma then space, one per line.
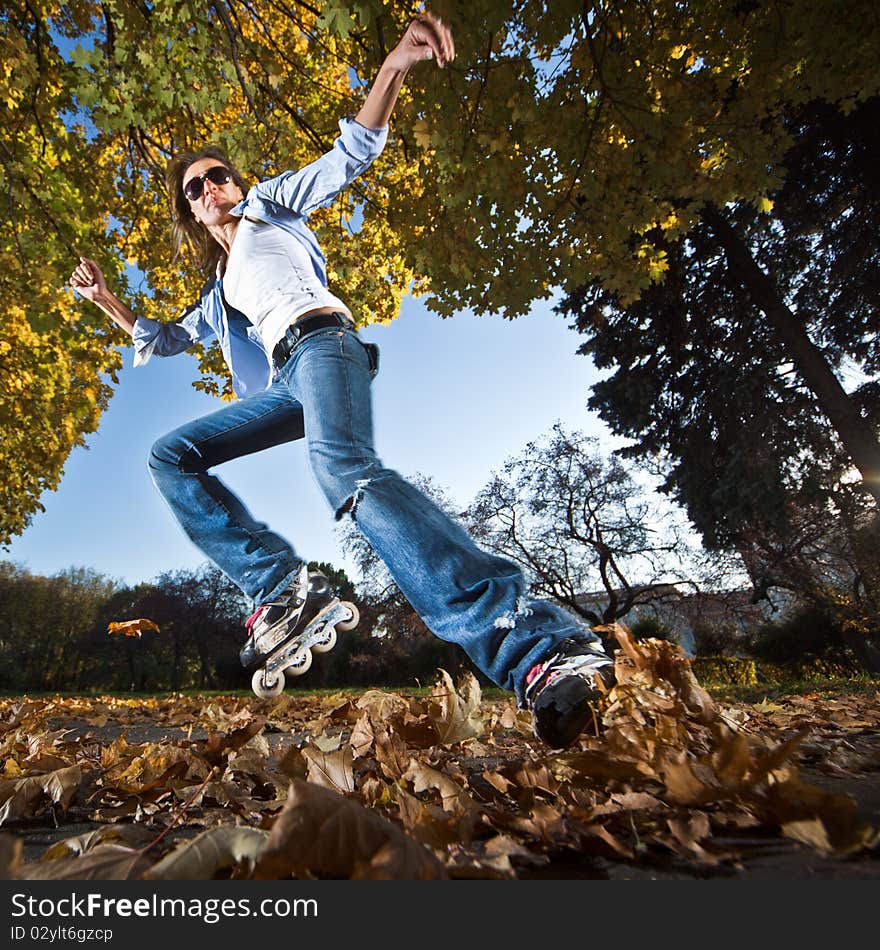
97, 98
201, 616
569, 143
42, 621
704, 383
578, 523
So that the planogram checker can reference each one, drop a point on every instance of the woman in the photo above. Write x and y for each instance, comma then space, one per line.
300, 370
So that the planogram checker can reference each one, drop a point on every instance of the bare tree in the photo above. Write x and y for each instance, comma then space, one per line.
582, 529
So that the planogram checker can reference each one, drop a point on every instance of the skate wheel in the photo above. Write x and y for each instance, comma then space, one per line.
301, 663
327, 644
353, 622
267, 688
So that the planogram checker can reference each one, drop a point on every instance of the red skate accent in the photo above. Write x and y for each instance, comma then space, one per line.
534, 673
537, 670
254, 617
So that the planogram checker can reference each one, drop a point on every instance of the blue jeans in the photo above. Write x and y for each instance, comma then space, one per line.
464, 594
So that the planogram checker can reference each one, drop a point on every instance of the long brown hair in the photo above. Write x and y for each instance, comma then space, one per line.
185, 229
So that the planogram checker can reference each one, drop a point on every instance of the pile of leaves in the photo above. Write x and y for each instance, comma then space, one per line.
386, 785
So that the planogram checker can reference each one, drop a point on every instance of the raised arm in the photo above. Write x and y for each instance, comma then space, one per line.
427, 37
88, 280
150, 337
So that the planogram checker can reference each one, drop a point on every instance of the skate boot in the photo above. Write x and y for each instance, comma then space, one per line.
563, 690
283, 633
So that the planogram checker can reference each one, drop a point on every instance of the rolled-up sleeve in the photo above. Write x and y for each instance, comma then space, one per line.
153, 338
356, 148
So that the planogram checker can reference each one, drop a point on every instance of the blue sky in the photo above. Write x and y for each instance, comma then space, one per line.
453, 399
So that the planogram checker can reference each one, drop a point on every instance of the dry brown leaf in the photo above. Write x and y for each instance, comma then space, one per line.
455, 712
382, 706
106, 862
811, 831
132, 628
426, 822
22, 797
689, 833
689, 784
497, 781
333, 770
362, 736
327, 743
391, 754
294, 764
323, 834
453, 798
217, 747
217, 849
129, 835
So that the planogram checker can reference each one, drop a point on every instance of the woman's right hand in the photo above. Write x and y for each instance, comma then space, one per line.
88, 280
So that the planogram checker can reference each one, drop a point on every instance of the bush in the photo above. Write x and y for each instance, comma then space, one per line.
715, 639
808, 633
725, 670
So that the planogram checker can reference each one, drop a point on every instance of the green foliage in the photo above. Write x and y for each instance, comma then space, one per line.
809, 632
569, 145
740, 420
715, 638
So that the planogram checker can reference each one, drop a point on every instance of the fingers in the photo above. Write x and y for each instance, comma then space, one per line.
82, 274
85, 274
437, 38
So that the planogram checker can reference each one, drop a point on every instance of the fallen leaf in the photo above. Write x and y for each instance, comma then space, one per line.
214, 850
362, 736
130, 835
391, 754
323, 834
107, 862
381, 705
23, 797
332, 770
453, 797
455, 712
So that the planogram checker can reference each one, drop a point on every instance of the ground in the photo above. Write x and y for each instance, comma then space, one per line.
379, 783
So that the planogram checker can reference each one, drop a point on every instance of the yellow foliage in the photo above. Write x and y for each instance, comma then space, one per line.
533, 141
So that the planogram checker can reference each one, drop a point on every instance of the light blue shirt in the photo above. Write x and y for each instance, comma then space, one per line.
285, 201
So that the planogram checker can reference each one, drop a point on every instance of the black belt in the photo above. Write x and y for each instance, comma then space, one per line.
296, 331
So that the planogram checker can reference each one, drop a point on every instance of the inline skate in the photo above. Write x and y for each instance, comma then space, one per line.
284, 633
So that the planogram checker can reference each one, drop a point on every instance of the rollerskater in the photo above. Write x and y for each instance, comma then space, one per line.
301, 370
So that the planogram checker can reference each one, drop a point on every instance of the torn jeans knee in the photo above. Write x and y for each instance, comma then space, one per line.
349, 506
508, 621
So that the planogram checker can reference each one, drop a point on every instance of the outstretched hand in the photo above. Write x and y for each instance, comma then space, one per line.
427, 37
88, 279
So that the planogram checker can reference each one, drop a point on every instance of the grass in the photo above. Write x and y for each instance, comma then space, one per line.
828, 687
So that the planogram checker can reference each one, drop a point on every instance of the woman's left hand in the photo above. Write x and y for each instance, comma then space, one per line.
427, 37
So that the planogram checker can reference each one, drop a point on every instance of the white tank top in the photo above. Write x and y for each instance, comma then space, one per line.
270, 279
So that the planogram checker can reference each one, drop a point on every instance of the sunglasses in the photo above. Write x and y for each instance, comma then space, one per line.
217, 175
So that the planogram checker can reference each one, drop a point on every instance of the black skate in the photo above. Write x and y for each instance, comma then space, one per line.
283, 634
562, 692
